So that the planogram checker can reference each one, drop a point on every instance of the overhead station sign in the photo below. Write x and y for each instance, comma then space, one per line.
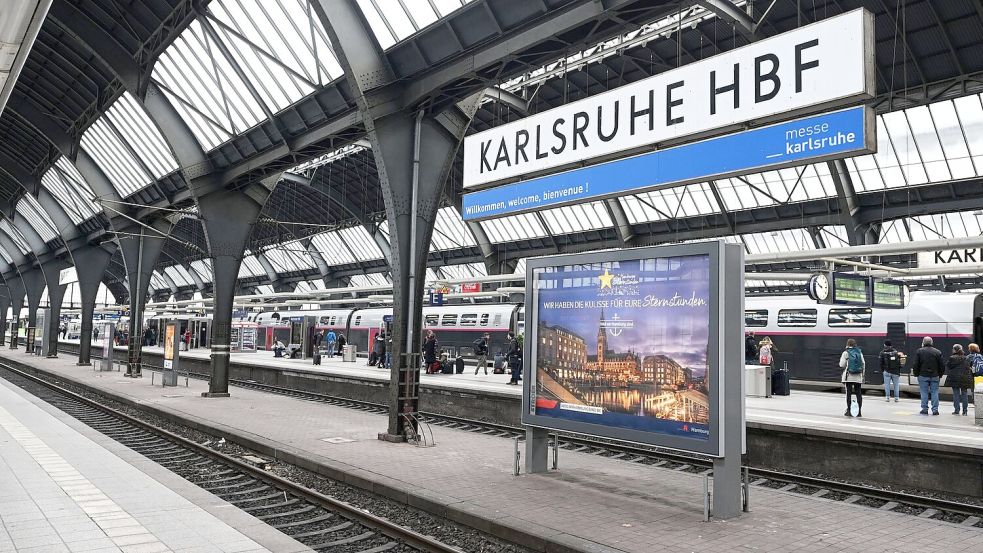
826, 64
827, 136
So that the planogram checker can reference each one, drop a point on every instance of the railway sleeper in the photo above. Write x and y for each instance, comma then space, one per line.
380, 548
258, 489
261, 508
315, 520
323, 531
302, 510
345, 541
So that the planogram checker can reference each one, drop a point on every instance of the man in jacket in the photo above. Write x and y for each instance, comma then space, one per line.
330, 338
750, 348
928, 369
891, 370
481, 350
514, 356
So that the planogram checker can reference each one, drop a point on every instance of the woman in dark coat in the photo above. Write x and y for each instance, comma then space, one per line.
429, 350
959, 377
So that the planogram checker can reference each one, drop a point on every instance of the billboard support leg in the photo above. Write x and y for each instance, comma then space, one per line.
727, 488
537, 449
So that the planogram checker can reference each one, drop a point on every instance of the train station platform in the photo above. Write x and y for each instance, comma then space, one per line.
65, 487
807, 412
591, 504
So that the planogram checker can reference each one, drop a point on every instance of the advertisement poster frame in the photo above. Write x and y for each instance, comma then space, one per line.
108, 337
725, 309
170, 345
29, 339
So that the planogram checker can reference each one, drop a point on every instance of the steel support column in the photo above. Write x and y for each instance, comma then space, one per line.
857, 232
33, 288
90, 265
16, 288
56, 294
140, 253
4, 306
228, 221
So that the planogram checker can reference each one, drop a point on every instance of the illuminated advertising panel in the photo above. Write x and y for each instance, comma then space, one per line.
628, 344
170, 341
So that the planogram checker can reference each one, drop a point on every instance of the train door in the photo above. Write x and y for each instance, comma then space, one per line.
978, 319
897, 333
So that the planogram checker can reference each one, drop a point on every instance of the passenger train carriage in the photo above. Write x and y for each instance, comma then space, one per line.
810, 337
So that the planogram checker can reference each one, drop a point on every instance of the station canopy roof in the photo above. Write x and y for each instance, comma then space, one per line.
257, 83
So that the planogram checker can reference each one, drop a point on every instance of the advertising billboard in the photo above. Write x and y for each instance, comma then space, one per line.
813, 68
170, 345
628, 344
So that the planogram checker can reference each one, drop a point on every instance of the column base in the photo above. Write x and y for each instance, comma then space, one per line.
392, 438
83, 364
215, 394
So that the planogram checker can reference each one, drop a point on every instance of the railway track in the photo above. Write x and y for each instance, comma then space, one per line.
316, 520
874, 497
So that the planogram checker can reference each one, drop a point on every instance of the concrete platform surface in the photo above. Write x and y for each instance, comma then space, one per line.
819, 413
65, 487
592, 504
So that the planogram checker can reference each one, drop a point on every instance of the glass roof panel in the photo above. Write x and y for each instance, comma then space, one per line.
466, 270
361, 244
141, 136
31, 211
179, 275
371, 279
910, 159
6, 256
393, 20
332, 249
71, 191
970, 111
281, 47
834, 236
105, 146
961, 224
449, 231
893, 232
205, 89
515, 227
952, 143
203, 268
778, 241
679, 201
250, 266
157, 282
577, 218
289, 257
14, 235
309, 285
264, 290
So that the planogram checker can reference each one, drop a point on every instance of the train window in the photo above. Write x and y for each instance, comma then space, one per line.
498, 319
756, 317
449, 320
469, 319
484, 320
430, 320
797, 317
856, 317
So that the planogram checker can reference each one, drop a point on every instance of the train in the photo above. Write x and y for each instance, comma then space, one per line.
809, 337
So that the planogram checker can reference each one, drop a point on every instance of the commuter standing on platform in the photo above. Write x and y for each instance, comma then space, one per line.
750, 348
341, 343
890, 359
852, 363
975, 360
331, 338
481, 350
514, 356
430, 351
767, 351
928, 368
959, 377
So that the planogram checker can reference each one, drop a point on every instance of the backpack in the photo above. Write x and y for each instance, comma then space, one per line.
976, 361
854, 361
893, 360
477, 346
764, 355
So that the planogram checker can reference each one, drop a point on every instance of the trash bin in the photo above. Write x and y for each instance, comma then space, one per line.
348, 353
978, 406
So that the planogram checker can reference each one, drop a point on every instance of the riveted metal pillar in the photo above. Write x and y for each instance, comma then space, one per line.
228, 220
90, 265
140, 253
56, 293
4, 306
16, 287
33, 286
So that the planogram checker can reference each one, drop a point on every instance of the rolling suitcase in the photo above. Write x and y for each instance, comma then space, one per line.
446, 368
317, 357
499, 366
779, 383
459, 365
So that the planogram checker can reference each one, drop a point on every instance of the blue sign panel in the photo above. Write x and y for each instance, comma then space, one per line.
830, 135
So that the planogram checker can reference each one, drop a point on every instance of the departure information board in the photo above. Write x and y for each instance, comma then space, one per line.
851, 290
889, 294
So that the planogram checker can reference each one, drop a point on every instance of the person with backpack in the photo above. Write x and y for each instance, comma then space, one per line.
890, 359
975, 360
766, 351
960, 379
330, 339
481, 350
514, 356
750, 348
928, 368
852, 363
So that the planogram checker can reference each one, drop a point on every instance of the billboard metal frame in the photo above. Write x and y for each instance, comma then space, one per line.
725, 368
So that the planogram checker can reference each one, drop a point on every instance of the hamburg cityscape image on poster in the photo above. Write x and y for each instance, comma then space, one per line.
625, 344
